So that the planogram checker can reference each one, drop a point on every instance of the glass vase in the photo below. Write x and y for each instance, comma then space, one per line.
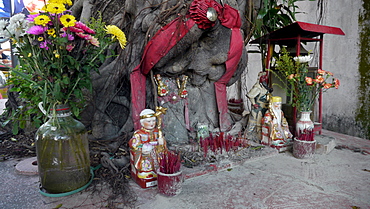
62, 153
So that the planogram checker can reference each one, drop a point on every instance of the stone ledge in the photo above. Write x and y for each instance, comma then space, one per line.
324, 144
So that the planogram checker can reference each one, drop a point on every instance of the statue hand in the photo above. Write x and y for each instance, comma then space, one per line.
147, 148
160, 141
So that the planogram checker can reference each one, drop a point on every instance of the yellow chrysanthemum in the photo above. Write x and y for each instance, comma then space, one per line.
42, 20
29, 54
68, 20
51, 31
68, 2
57, 55
40, 38
117, 33
55, 8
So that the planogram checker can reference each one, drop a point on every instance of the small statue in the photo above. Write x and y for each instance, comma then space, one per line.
183, 93
146, 147
275, 128
259, 97
162, 88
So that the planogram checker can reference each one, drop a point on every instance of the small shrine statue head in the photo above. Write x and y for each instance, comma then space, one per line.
148, 119
275, 102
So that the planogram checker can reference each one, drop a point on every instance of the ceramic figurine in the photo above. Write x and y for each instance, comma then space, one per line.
183, 93
162, 88
275, 129
146, 147
259, 97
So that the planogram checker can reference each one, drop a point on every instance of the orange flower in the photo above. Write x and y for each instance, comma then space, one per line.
321, 72
336, 83
291, 76
319, 79
329, 73
309, 80
328, 86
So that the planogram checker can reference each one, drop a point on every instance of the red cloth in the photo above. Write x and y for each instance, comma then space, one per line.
168, 36
161, 43
231, 19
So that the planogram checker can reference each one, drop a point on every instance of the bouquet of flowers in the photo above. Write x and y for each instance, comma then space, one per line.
302, 88
56, 55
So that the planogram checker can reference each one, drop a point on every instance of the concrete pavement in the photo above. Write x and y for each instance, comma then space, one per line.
340, 179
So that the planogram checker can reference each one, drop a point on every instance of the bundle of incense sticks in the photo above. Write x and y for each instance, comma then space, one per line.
306, 135
170, 163
220, 142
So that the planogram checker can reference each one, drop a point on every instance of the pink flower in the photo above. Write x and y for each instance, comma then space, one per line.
32, 17
70, 47
44, 45
94, 41
73, 29
84, 36
82, 26
37, 30
70, 37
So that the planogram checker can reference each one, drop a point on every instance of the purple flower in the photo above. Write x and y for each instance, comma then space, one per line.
37, 30
32, 17
70, 37
44, 45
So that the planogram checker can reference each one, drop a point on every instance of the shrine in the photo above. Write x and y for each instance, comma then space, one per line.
293, 37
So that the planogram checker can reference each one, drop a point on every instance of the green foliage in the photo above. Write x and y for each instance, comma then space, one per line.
301, 88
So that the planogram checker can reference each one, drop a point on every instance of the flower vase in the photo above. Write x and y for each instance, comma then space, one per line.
170, 184
62, 153
304, 144
304, 125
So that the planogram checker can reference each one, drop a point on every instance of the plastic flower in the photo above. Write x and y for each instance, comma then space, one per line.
319, 79
42, 20
336, 83
321, 72
68, 20
68, 2
70, 37
37, 30
44, 45
51, 31
302, 59
17, 26
80, 25
70, 47
117, 33
55, 8
328, 86
94, 41
309, 80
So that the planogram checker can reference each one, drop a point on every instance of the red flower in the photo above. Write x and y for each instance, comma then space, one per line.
164, 91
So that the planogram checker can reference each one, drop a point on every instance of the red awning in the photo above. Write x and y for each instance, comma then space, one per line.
299, 29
